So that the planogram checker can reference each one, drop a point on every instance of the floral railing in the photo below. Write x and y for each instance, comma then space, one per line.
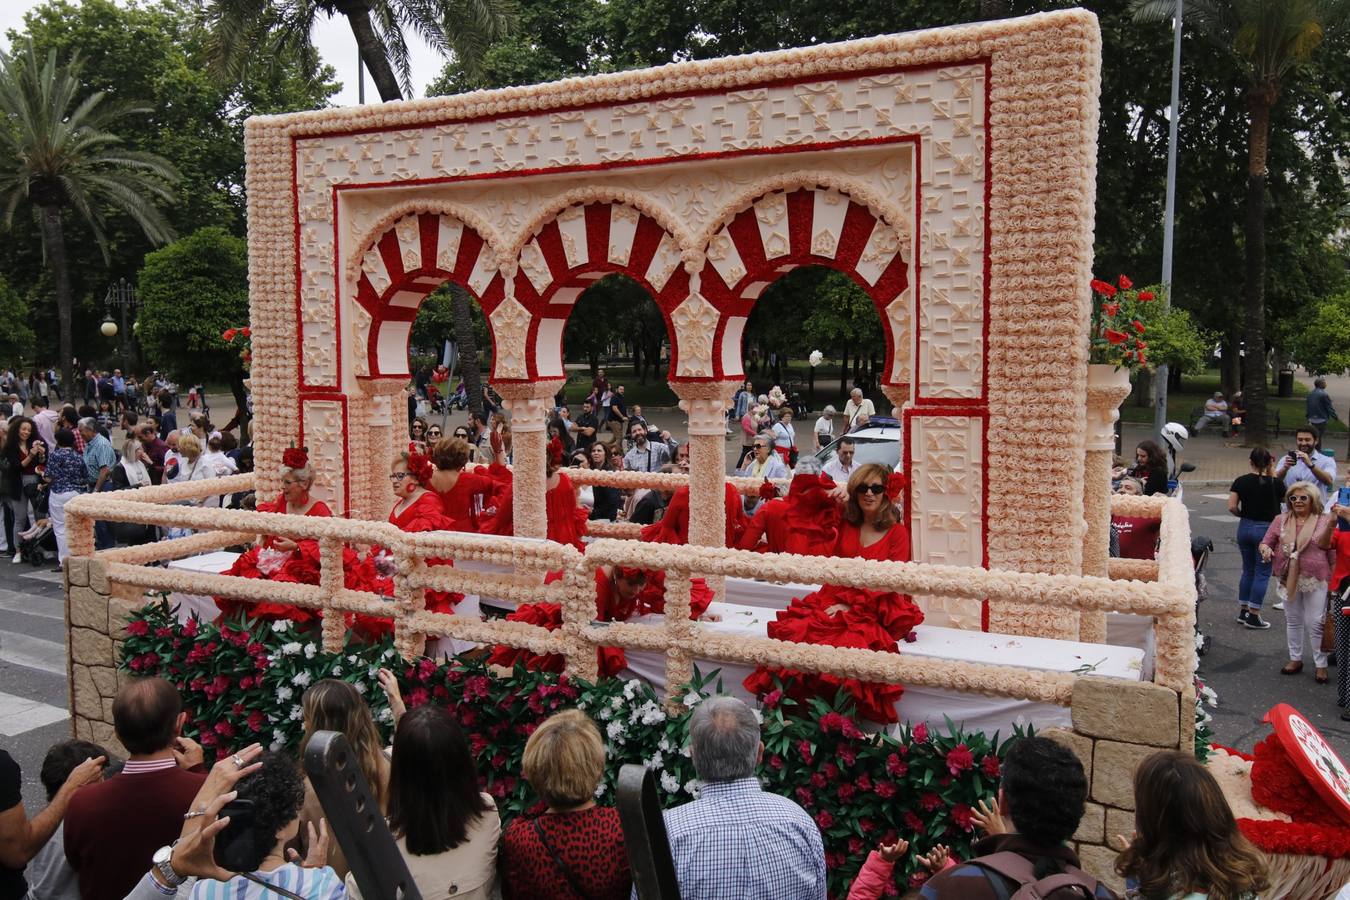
1169, 598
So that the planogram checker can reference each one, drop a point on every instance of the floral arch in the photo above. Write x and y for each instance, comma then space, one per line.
951, 174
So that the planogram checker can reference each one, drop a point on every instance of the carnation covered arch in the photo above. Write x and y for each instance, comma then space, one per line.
949, 173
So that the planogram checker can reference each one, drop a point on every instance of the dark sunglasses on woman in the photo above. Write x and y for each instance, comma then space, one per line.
872, 489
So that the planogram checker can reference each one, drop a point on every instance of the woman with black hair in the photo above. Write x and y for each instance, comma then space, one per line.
264, 818
24, 452
446, 829
606, 499
1255, 499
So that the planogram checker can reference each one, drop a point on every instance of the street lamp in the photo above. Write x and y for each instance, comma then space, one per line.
121, 294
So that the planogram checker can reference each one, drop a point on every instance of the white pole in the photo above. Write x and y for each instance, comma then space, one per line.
1160, 410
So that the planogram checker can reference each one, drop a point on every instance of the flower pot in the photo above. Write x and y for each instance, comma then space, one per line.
1107, 388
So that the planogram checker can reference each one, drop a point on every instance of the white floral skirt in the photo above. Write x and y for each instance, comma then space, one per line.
1305, 586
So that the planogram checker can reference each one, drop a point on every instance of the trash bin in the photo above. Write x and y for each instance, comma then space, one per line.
1286, 383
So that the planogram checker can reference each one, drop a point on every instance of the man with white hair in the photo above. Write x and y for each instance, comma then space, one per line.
824, 429
857, 406
736, 841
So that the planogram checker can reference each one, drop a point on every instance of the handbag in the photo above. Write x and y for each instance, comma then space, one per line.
1329, 625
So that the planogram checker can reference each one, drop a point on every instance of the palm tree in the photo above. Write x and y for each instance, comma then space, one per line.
1267, 40
57, 154
243, 30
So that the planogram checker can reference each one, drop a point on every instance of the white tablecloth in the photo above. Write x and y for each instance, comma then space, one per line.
1128, 653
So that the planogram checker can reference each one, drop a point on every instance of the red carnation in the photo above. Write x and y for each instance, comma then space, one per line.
768, 490
256, 720
1145, 296
138, 628
960, 759
1103, 288
776, 762
228, 334
913, 822
990, 766
824, 819
294, 458
804, 797
1115, 337
1138, 326
895, 484
1125, 283
246, 331
962, 815
896, 767
885, 789
930, 802
921, 733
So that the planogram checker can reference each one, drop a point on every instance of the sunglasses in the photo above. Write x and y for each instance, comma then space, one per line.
1299, 498
872, 489
435, 432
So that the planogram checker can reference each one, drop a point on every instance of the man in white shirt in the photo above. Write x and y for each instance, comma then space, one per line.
824, 430
842, 465
1216, 410
645, 456
857, 405
784, 436
1305, 464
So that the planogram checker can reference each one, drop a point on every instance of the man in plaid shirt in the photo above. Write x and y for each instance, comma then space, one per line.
737, 842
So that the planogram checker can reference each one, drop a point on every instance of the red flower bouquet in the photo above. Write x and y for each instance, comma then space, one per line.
1117, 324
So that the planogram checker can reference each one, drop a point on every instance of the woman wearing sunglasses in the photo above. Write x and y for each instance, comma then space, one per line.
1301, 567
853, 617
416, 509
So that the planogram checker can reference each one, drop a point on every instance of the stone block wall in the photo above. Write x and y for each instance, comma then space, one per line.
95, 628
1116, 724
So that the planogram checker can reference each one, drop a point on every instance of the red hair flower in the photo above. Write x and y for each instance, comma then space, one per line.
1145, 296
1124, 282
895, 485
768, 490
421, 467
1103, 288
1115, 337
295, 458
630, 573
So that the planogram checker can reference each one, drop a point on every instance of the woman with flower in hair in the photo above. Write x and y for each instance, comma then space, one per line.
463, 494
841, 616
417, 509
279, 558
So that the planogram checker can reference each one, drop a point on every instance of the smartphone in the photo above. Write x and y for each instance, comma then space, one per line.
1342, 499
240, 811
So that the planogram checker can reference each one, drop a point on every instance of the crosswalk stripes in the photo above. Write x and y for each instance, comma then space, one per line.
33, 653
21, 714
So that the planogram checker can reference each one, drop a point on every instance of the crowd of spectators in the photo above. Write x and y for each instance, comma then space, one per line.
151, 826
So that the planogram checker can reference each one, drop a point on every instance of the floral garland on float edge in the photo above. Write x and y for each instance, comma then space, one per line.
242, 682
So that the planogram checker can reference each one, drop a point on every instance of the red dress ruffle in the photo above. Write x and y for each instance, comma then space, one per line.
302, 567
610, 607
872, 620
674, 525
566, 518
423, 514
805, 522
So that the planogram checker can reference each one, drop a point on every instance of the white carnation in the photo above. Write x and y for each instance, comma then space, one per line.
284, 693
281, 625
615, 730
600, 790
337, 670
669, 783
616, 703
816, 358
691, 787
692, 699
296, 713
310, 650
386, 715
290, 649
360, 687
351, 658
302, 679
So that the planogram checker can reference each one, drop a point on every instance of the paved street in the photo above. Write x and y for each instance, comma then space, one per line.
1242, 666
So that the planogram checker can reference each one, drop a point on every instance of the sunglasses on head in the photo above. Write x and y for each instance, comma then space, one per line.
872, 489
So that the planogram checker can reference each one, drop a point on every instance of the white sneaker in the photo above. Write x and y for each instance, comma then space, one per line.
18, 558
1279, 605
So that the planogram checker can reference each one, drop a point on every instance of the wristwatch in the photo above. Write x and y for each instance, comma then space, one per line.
162, 860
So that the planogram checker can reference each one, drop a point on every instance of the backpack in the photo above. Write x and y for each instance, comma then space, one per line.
1073, 882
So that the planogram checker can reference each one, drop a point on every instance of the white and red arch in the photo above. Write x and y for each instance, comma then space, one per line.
413, 257
784, 229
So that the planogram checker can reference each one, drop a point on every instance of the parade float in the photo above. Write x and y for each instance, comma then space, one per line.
950, 173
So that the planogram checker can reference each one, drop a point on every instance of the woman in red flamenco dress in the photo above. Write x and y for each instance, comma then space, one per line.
674, 525
463, 494
805, 522
566, 518
853, 617
416, 510
293, 562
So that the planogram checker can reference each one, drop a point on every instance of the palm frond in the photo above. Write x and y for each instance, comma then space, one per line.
472, 26
390, 32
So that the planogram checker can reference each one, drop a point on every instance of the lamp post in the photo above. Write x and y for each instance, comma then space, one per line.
1160, 410
122, 294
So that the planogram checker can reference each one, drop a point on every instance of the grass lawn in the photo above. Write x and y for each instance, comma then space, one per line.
1196, 389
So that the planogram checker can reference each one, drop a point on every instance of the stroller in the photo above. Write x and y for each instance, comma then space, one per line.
37, 545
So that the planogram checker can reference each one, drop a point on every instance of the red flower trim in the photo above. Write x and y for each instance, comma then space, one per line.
895, 485
1279, 785
1297, 838
768, 490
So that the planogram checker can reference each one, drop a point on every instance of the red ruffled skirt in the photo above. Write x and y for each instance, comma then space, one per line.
610, 660
874, 620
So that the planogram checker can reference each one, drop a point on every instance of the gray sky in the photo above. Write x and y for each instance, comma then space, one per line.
333, 38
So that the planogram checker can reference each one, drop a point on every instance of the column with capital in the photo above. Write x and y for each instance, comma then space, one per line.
530, 404
1107, 388
378, 433
706, 404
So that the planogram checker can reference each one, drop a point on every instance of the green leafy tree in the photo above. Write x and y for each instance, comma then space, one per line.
1174, 339
464, 28
16, 338
1267, 41
60, 158
191, 292
1321, 343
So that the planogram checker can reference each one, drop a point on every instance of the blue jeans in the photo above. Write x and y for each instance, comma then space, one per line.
1255, 571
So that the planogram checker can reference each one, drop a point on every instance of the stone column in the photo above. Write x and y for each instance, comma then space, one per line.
1107, 388
530, 404
384, 435
706, 403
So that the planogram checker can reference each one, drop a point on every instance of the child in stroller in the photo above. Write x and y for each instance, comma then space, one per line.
37, 545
